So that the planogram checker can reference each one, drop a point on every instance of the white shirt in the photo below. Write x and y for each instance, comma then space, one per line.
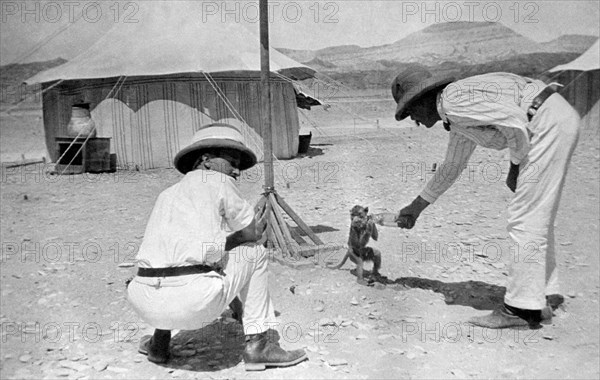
488, 110
191, 220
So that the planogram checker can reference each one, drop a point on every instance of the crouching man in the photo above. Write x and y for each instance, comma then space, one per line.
199, 252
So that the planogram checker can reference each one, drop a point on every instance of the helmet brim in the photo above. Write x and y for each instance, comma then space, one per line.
186, 158
416, 92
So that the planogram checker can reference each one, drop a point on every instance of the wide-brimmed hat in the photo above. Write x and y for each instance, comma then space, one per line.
216, 135
412, 83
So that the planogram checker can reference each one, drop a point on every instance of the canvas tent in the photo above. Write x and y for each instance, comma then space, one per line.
581, 80
152, 83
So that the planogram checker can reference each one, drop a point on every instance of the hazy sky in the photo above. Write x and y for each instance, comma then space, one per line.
39, 30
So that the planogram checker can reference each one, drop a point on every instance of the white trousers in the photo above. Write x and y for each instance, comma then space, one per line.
192, 301
532, 211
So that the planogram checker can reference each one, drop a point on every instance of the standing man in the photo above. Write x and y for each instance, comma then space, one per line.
199, 252
540, 130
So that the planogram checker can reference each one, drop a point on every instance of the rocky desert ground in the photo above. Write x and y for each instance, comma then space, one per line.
68, 245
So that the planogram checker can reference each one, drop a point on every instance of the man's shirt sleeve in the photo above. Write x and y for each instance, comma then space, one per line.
237, 212
517, 145
458, 153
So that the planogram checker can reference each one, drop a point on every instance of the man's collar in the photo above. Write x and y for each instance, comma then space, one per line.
440, 111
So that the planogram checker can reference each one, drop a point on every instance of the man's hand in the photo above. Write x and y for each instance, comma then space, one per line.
262, 210
407, 217
255, 231
511, 178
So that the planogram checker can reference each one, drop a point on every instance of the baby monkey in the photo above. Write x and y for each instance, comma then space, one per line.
362, 229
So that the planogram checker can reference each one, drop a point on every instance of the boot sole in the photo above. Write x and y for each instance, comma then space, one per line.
263, 366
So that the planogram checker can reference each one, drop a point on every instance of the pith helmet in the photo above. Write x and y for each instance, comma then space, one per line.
217, 135
412, 83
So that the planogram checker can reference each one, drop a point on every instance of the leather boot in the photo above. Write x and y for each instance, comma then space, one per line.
554, 300
508, 316
156, 346
546, 316
500, 318
260, 353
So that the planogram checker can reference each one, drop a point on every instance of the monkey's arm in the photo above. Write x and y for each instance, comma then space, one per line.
373, 228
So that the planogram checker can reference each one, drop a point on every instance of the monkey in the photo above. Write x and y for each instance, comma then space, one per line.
362, 229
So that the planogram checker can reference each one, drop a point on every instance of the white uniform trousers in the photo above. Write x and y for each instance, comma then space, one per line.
532, 211
190, 302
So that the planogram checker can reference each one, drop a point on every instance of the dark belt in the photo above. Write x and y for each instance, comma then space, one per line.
176, 271
538, 101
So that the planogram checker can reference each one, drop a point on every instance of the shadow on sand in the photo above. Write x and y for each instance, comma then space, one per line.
476, 294
215, 347
312, 152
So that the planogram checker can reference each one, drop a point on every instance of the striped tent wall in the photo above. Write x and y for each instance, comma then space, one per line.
149, 119
581, 89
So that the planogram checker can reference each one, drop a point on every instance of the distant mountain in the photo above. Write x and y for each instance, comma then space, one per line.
459, 49
531, 65
308, 55
467, 43
320, 65
19, 72
12, 77
574, 43
299, 55
463, 42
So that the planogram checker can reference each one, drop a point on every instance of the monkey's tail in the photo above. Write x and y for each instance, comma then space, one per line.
341, 264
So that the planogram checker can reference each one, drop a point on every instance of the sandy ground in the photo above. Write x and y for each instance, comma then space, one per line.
65, 241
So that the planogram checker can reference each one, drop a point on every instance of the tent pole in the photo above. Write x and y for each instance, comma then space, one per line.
266, 95
278, 234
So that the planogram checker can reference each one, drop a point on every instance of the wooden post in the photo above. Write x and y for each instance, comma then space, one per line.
278, 232
265, 97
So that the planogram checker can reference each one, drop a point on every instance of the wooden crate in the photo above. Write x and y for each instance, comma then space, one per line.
92, 156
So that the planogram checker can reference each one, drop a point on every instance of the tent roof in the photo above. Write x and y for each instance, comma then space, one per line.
590, 60
169, 38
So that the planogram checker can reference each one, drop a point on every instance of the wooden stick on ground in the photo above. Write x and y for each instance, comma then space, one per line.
283, 226
303, 226
296, 236
278, 235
